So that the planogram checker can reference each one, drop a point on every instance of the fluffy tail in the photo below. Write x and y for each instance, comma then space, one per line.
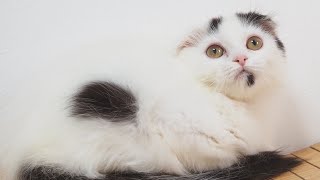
261, 166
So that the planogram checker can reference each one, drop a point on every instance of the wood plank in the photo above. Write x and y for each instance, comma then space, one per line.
310, 155
287, 176
316, 146
307, 171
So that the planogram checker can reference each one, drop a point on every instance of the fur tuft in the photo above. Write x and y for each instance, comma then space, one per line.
105, 100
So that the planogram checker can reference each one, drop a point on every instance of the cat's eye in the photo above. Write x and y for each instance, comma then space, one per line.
215, 51
254, 43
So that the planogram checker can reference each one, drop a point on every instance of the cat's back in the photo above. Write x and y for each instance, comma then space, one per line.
42, 94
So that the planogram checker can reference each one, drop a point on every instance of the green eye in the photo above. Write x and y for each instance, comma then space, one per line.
215, 51
254, 43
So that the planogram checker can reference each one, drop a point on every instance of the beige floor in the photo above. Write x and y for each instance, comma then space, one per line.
309, 169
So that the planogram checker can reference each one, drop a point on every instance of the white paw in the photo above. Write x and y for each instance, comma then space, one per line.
225, 137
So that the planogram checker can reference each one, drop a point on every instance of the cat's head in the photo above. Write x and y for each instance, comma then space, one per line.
238, 55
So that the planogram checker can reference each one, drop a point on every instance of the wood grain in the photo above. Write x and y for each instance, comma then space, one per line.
310, 155
309, 169
287, 176
316, 147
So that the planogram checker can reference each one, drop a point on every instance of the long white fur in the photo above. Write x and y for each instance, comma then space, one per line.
183, 124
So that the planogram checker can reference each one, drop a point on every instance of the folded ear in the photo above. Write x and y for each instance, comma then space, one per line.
192, 39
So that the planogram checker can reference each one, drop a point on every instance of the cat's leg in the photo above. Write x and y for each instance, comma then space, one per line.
200, 136
244, 118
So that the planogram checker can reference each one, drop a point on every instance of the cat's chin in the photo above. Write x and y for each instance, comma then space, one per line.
246, 77
245, 97
245, 87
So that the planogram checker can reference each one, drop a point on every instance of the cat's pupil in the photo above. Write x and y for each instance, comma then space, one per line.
254, 42
215, 51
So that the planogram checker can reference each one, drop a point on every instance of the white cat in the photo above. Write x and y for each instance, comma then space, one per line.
124, 110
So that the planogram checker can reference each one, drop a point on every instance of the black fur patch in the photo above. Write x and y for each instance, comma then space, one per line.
50, 173
250, 80
262, 166
259, 20
214, 24
280, 44
253, 17
105, 100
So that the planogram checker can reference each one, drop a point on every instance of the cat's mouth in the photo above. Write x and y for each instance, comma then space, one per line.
247, 76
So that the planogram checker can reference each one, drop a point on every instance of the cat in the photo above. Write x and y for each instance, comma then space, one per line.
147, 115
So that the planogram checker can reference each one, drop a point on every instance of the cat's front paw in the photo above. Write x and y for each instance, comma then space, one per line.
226, 137
210, 148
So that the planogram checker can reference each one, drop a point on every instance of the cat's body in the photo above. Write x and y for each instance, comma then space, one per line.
118, 110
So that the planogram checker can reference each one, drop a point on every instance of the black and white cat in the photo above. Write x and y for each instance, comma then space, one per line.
129, 114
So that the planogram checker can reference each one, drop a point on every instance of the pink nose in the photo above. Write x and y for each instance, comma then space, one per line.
241, 59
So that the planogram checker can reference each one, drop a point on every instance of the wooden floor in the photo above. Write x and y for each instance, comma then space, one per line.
309, 169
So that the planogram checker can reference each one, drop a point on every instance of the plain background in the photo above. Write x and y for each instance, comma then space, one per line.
33, 30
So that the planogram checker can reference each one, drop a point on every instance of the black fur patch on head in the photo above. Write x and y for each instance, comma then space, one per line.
104, 100
265, 165
280, 44
214, 24
259, 20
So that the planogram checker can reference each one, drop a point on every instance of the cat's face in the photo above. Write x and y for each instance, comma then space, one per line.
237, 55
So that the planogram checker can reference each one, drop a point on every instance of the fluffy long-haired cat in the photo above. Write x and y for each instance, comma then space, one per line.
144, 115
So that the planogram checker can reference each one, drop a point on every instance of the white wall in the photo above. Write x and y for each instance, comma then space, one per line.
32, 30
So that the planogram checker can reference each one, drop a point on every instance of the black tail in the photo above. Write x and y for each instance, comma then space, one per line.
264, 165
